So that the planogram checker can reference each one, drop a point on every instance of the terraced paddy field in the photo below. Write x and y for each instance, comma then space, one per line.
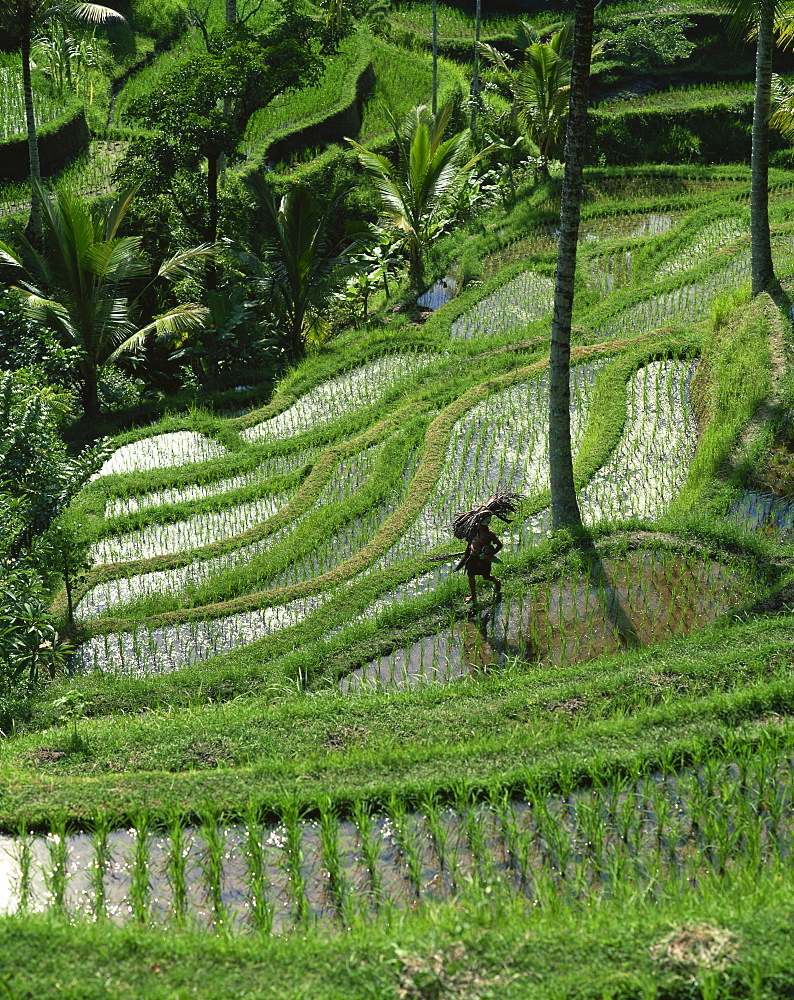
289, 760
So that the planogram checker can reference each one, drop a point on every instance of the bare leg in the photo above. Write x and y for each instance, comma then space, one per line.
496, 582
473, 589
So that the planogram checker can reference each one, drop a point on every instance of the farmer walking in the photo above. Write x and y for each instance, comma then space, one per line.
482, 543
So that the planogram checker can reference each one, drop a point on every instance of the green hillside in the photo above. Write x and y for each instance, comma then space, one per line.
284, 757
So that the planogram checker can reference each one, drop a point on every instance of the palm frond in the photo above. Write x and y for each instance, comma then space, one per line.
182, 319
91, 13
185, 262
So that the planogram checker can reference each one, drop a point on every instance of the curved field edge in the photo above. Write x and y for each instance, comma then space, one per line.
595, 448
730, 686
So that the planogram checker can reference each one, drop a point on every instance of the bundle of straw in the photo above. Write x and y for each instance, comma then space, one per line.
465, 525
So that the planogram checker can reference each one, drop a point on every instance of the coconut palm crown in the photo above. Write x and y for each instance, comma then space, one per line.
24, 19
86, 280
416, 187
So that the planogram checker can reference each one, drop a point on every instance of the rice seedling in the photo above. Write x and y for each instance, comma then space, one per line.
200, 529
712, 237
213, 837
612, 271
407, 838
100, 831
269, 468
23, 856
650, 461
370, 847
516, 844
437, 828
176, 871
46, 106
525, 298
56, 874
338, 888
159, 649
140, 886
292, 858
331, 400
260, 907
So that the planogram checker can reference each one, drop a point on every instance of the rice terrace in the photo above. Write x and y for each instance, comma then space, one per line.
397, 488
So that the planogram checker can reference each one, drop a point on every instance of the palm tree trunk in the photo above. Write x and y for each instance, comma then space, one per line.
564, 505
761, 249
434, 102
212, 199
231, 19
89, 389
475, 84
296, 335
34, 223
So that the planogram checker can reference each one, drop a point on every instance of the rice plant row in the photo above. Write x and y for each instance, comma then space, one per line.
501, 443
348, 478
200, 529
273, 465
361, 387
88, 175
612, 271
153, 649
572, 846
686, 304
639, 599
712, 237
46, 107
656, 405
543, 239
658, 411
161, 451
525, 298
649, 464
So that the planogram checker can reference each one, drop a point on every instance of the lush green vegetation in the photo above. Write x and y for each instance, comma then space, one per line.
241, 697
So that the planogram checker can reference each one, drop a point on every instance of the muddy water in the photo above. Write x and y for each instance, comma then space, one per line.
275, 878
765, 512
638, 600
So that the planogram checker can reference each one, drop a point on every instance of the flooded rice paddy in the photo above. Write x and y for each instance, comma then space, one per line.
161, 451
639, 599
288, 875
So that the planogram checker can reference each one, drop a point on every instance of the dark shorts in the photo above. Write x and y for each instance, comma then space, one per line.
478, 567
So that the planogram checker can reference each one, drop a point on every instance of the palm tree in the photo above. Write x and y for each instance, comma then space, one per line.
475, 83
759, 16
24, 19
540, 83
306, 265
86, 280
564, 505
415, 189
434, 88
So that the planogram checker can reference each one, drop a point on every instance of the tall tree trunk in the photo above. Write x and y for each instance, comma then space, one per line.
231, 18
89, 390
212, 200
475, 83
564, 505
34, 223
435, 57
761, 249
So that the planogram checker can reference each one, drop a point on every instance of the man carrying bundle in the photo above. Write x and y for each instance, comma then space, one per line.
483, 544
